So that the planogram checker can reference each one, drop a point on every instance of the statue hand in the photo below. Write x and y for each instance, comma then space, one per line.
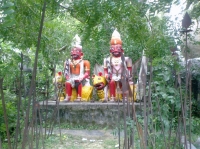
81, 79
130, 78
107, 76
67, 77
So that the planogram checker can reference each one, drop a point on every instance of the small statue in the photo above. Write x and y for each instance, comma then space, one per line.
114, 68
100, 85
59, 82
77, 73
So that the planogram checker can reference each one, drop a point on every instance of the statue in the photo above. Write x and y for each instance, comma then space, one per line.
100, 85
59, 82
77, 73
114, 68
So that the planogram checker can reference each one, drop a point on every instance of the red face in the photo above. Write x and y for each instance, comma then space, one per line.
76, 53
116, 50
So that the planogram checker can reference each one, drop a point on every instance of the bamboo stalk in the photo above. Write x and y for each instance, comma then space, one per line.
150, 101
0, 143
190, 106
5, 112
118, 121
181, 100
145, 116
32, 88
41, 130
125, 127
17, 132
186, 95
162, 126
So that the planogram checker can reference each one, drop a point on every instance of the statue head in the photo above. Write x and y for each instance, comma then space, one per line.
58, 80
99, 81
76, 51
116, 44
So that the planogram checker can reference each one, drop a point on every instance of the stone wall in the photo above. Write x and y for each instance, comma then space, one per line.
105, 114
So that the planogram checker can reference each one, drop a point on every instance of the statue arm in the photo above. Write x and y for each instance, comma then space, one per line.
129, 67
65, 71
106, 72
105, 69
86, 69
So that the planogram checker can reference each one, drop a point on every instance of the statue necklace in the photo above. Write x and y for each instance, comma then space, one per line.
116, 62
75, 62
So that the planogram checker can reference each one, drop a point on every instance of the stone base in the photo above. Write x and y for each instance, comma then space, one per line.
96, 113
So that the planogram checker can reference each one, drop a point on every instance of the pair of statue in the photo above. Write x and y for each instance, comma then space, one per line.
112, 84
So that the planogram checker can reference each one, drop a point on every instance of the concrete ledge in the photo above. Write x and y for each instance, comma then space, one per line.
96, 113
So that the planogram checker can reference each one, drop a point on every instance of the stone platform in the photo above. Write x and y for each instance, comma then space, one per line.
86, 112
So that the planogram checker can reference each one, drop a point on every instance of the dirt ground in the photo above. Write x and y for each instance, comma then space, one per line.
82, 139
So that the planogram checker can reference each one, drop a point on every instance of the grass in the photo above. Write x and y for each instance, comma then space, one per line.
76, 142
71, 142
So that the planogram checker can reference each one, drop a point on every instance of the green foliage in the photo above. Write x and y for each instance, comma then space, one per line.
195, 125
58, 33
11, 110
7, 17
100, 20
9, 60
194, 12
160, 40
165, 95
196, 108
95, 23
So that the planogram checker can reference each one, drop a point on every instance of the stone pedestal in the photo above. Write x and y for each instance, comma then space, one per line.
85, 112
